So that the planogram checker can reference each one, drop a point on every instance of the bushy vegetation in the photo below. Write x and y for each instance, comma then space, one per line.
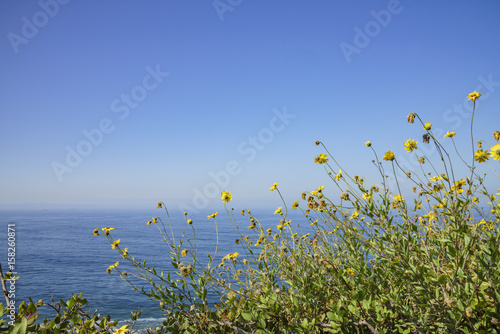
378, 258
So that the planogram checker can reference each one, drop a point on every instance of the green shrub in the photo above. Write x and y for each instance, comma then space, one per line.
375, 261
71, 317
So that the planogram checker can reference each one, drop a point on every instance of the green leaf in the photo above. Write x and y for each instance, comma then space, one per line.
473, 303
19, 327
353, 309
246, 316
484, 286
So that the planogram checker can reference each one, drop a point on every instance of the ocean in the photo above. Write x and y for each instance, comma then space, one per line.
57, 255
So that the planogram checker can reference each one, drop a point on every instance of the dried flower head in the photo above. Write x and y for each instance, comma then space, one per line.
426, 137
496, 135
411, 117
344, 196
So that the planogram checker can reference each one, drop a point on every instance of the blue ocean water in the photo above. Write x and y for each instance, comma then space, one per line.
57, 254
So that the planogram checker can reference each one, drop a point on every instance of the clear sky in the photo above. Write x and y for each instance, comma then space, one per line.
121, 104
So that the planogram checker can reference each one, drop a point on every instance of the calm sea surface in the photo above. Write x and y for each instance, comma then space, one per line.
57, 254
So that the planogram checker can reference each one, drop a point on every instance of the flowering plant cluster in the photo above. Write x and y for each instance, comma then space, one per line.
364, 257
375, 258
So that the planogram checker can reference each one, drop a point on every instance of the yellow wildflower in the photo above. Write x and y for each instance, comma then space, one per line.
125, 253
481, 156
123, 329
115, 244
189, 221
317, 142
458, 186
473, 96
338, 176
398, 198
351, 272
213, 215
495, 152
367, 195
427, 125
274, 186
368, 143
112, 267
107, 229
155, 220
242, 212
450, 134
96, 232
436, 178
184, 252
226, 196
278, 211
410, 145
280, 227
295, 205
389, 156
321, 159
159, 205
149, 222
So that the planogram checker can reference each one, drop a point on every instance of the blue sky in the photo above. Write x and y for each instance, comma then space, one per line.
121, 104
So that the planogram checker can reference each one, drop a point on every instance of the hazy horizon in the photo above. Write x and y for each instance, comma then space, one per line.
120, 104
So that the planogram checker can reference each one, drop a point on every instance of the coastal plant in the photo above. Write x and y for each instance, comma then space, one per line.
419, 255
72, 316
